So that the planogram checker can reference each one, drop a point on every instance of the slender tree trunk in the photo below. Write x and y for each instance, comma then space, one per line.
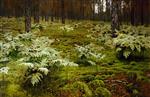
62, 12
47, 18
52, 11
1, 7
52, 18
115, 16
142, 12
37, 12
132, 13
108, 10
27, 15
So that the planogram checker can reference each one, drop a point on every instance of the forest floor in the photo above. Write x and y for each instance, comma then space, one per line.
122, 78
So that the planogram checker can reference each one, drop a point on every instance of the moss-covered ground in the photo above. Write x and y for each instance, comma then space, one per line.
121, 78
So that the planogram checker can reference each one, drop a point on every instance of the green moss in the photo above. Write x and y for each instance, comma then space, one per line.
14, 90
83, 87
76, 89
102, 92
96, 83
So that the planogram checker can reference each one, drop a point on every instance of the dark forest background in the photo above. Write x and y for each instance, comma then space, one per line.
136, 12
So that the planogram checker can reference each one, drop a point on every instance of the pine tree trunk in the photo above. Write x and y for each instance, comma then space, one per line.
37, 12
46, 18
62, 12
115, 16
108, 10
1, 7
27, 15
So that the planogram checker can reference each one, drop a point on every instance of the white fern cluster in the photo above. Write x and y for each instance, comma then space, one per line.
66, 28
34, 52
25, 36
64, 62
130, 43
4, 51
88, 52
4, 70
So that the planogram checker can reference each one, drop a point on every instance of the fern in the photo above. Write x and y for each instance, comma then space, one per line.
66, 28
4, 70
35, 78
43, 70
130, 44
32, 51
87, 55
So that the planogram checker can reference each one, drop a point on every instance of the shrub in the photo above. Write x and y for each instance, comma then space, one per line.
87, 56
131, 46
38, 26
96, 83
14, 90
77, 89
83, 88
32, 51
87, 78
133, 89
102, 92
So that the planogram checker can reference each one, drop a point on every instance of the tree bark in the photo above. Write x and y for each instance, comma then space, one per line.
37, 11
115, 16
62, 12
1, 7
27, 15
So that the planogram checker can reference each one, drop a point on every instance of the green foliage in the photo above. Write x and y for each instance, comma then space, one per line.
38, 26
14, 90
32, 51
78, 89
96, 83
132, 30
133, 89
83, 88
35, 78
88, 56
4, 70
87, 78
102, 28
65, 29
132, 76
102, 92
98, 88
31, 59
131, 45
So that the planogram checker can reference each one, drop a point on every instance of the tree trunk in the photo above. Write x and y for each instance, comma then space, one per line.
37, 12
46, 18
1, 7
27, 15
108, 10
62, 12
115, 16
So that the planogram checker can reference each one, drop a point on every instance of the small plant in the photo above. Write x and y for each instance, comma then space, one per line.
87, 78
102, 92
4, 70
65, 29
96, 83
78, 89
38, 26
131, 45
87, 56
14, 90
133, 89
32, 51
101, 28
98, 88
